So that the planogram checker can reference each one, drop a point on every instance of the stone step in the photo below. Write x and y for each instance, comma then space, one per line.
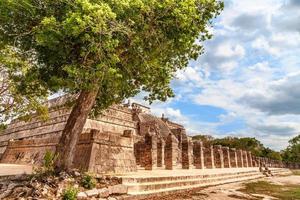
153, 186
166, 188
128, 180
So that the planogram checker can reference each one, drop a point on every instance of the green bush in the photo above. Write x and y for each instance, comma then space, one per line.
88, 181
49, 160
70, 193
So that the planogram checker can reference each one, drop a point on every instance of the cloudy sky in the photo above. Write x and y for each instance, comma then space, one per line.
248, 81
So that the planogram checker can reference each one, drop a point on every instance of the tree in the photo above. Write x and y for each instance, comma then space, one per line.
292, 152
104, 50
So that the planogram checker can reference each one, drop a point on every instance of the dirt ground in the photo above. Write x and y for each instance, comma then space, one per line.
228, 191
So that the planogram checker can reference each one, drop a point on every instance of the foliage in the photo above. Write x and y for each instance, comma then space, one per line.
88, 181
246, 143
121, 46
13, 103
70, 193
49, 160
206, 139
284, 192
2, 127
48, 165
292, 152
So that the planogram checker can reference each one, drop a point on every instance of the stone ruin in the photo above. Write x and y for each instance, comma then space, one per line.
123, 138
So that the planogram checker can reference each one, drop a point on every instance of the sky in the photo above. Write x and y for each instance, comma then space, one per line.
247, 83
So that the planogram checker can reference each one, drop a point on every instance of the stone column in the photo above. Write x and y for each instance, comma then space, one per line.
226, 156
150, 156
245, 158
161, 153
187, 150
240, 158
171, 152
233, 158
209, 157
198, 154
254, 163
218, 156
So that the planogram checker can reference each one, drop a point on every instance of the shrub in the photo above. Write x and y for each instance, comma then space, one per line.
88, 181
49, 160
70, 193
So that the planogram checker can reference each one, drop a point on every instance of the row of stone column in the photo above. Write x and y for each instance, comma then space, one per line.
217, 156
159, 153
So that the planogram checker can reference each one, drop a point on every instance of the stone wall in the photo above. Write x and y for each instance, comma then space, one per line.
105, 152
30, 151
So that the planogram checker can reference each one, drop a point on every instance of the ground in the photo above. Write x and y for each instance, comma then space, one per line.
236, 191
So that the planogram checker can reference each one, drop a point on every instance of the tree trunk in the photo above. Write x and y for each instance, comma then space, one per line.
73, 128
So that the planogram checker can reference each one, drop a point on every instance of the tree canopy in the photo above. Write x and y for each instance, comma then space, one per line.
12, 102
292, 152
122, 46
245, 143
103, 50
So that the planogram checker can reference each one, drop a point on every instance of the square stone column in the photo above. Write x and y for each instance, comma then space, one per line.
171, 148
150, 154
226, 157
240, 158
254, 161
245, 158
161, 153
233, 157
209, 161
187, 151
218, 156
198, 154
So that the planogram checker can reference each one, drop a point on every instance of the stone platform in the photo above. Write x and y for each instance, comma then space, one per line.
145, 182
13, 169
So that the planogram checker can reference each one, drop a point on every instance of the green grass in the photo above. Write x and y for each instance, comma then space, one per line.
283, 192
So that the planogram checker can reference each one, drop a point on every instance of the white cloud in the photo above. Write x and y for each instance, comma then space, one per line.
228, 50
250, 69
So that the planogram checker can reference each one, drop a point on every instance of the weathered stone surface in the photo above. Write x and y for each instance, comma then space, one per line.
121, 139
103, 193
92, 193
118, 189
82, 196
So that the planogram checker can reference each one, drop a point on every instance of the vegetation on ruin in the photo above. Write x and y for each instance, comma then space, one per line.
47, 167
283, 192
103, 50
70, 193
88, 181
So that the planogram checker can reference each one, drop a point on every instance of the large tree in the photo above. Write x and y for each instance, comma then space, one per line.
104, 50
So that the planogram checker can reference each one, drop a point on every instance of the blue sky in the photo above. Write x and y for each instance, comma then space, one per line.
247, 83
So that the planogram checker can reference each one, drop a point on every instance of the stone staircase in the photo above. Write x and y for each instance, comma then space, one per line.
139, 185
151, 185
277, 172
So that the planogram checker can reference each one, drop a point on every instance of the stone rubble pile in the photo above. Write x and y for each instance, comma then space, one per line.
33, 187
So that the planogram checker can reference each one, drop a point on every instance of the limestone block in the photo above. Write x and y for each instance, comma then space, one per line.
92, 193
82, 196
118, 189
103, 192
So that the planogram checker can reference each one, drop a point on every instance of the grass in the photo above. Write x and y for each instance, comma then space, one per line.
296, 172
283, 192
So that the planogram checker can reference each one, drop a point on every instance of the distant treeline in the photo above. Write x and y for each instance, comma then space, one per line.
291, 153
